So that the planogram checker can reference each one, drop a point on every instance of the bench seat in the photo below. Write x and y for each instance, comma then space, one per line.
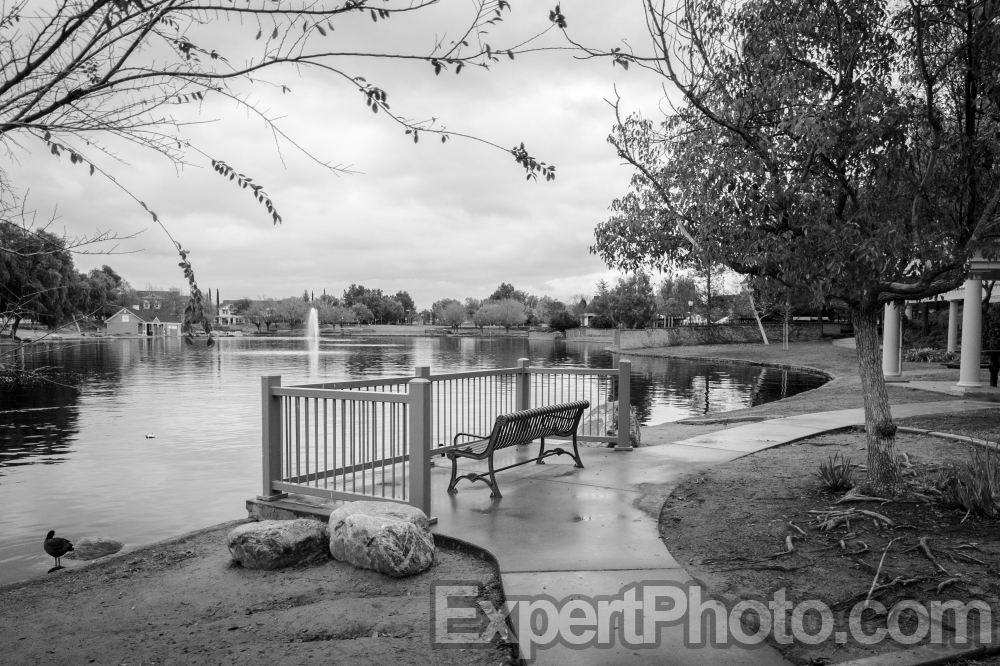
521, 427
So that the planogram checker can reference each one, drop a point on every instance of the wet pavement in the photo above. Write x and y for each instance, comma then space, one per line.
567, 532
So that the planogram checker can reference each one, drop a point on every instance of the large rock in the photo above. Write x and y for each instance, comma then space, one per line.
273, 544
602, 420
90, 548
383, 536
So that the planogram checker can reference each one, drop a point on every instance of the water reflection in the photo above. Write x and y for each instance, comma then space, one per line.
74, 455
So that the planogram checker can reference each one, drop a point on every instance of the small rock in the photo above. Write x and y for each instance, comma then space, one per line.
90, 548
383, 536
273, 544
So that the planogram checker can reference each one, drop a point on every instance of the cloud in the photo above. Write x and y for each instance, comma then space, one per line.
438, 220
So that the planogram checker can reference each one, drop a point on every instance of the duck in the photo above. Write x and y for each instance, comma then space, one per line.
56, 547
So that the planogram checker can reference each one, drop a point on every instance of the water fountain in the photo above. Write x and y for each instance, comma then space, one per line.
312, 338
312, 328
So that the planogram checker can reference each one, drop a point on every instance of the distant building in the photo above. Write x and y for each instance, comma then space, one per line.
129, 321
587, 316
170, 302
226, 315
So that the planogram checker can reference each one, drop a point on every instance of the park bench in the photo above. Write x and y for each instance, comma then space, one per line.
516, 428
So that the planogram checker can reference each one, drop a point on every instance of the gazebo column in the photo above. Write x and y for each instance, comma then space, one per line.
972, 334
890, 341
952, 326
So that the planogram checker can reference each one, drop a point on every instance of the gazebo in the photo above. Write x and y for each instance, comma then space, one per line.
972, 326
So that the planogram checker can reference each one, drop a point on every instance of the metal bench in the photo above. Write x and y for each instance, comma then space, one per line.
515, 428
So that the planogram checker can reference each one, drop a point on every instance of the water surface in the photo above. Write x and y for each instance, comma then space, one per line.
144, 439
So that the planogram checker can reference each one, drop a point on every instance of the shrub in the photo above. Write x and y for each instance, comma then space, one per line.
928, 355
836, 473
973, 486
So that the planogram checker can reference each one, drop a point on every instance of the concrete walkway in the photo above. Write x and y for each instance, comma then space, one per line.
566, 532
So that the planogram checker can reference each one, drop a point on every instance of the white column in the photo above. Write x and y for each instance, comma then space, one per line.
909, 311
890, 341
972, 332
952, 326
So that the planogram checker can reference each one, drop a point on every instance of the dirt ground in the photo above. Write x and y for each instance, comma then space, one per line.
183, 602
728, 525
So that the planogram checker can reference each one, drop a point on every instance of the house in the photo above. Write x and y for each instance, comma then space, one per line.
226, 316
129, 321
169, 302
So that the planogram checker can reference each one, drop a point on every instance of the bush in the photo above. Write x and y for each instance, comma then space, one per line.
836, 473
928, 355
602, 321
975, 485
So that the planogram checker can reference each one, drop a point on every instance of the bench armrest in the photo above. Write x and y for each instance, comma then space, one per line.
454, 441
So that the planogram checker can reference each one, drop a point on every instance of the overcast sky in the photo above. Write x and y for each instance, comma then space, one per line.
438, 220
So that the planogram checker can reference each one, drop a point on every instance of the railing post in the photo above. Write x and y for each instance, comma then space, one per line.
420, 444
624, 402
523, 395
271, 438
422, 372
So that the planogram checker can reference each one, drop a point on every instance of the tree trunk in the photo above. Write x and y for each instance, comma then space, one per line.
884, 476
13, 327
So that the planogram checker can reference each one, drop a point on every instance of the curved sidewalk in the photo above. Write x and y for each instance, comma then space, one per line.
563, 531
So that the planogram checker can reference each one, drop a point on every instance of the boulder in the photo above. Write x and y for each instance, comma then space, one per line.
602, 420
273, 544
90, 548
383, 536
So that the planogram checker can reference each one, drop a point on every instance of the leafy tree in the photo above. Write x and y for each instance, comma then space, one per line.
472, 306
452, 314
361, 313
292, 311
406, 301
241, 306
334, 314
631, 302
391, 310
510, 312
36, 276
485, 315
673, 295
845, 148
562, 321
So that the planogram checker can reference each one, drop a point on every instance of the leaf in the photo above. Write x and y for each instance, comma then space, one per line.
274, 35
259, 33
91, 169
374, 18
510, 54
321, 30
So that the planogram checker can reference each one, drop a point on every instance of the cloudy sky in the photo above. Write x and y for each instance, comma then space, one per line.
438, 220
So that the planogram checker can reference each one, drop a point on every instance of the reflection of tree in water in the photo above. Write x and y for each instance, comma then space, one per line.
39, 414
702, 388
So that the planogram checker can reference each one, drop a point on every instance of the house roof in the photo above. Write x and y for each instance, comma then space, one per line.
131, 312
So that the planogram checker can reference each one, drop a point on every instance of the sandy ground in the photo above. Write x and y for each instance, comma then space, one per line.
183, 602
727, 526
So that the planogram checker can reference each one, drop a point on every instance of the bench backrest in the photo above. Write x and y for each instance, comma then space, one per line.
530, 424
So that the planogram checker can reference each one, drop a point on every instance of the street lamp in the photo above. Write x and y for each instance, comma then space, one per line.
690, 306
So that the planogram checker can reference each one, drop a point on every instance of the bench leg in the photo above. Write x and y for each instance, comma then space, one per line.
494, 488
576, 453
454, 474
541, 450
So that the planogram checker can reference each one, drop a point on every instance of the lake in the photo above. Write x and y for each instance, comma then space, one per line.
143, 439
